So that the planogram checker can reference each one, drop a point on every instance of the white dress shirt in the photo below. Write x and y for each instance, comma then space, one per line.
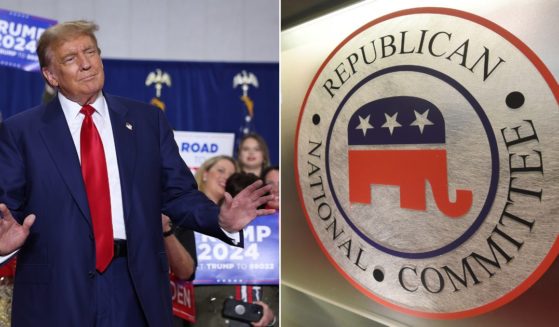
102, 121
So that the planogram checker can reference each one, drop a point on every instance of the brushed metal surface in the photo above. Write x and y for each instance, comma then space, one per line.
304, 264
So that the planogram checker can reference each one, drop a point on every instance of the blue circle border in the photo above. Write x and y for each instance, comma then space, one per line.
494, 162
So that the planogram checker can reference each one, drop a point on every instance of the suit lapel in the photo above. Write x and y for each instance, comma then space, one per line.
58, 141
125, 147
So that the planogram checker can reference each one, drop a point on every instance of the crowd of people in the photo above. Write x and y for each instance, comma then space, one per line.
215, 177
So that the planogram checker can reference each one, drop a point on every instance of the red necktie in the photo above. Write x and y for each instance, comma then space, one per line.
95, 177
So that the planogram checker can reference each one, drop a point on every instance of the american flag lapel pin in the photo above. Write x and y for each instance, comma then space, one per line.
129, 126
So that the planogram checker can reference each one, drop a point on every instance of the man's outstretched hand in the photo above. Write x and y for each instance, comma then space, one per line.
239, 211
12, 234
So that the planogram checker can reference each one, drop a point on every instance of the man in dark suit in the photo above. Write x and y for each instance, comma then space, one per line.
86, 178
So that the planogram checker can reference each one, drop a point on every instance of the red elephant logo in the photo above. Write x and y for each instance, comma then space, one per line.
400, 141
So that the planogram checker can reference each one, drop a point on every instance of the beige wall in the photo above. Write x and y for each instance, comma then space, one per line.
184, 30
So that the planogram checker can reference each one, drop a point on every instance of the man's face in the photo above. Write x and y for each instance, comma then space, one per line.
76, 69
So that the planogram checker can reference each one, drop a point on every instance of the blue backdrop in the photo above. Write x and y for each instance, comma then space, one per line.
201, 96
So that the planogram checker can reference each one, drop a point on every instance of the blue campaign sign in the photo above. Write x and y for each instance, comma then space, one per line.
256, 263
19, 34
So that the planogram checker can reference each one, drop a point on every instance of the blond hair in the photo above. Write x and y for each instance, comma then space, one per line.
207, 165
59, 33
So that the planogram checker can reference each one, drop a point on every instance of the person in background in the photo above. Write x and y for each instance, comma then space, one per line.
271, 176
180, 246
235, 184
213, 179
252, 154
213, 174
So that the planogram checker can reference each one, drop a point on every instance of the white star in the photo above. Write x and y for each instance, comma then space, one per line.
421, 120
391, 122
364, 124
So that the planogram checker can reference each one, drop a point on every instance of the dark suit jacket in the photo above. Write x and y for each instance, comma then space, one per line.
40, 173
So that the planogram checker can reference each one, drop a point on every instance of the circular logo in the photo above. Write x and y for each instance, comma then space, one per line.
426, 162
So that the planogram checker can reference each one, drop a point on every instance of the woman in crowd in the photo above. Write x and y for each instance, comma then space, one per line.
212, 176
180, 246
252, 154
212, 179
271, 175
180, 243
